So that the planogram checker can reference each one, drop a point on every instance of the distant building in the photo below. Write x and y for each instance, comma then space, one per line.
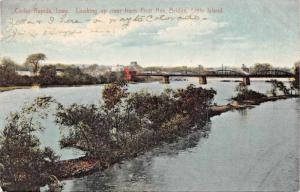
134, 66
117, 68
131, 70
59, 72
24, 73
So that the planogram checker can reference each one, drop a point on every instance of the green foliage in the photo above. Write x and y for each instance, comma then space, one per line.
74, 76
153, 110
48, 74
113, 93
243, 93
261, 67
7, 70
279, 85
33, 60
128, 123
198, 98
26, 165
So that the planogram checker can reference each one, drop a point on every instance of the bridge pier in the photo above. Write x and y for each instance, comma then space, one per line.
202, 80
246, 80
166, 80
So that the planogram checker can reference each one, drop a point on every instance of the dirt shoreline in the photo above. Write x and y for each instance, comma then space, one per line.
11, 88
83, 166
4, 89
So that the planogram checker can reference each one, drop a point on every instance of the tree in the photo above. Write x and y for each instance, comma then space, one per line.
48, 74
244, 94
279, 85
127, 123
7, 69
241, 88
296, 83
34, 61
113, 94
26, 165
262, 67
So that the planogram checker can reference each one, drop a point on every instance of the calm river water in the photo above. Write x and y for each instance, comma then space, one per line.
251, 150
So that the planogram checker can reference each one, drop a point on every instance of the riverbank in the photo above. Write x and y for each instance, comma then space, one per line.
217, 110
83, 166
4, 89
11, 88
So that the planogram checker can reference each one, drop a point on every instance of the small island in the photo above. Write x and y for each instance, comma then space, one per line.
125, 126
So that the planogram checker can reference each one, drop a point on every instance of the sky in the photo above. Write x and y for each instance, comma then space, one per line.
243, 32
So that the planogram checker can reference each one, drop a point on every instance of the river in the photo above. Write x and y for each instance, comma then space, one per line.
251, 150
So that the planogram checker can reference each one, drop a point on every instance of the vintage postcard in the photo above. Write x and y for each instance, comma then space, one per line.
149, 95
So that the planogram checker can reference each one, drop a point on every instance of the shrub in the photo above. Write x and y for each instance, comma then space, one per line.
126, 122
243, 94
26, 165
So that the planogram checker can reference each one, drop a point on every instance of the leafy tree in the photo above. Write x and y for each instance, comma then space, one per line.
96, 130
153, 108
72, 72
74, 76
199, 98
296, 83
34, 61
48, 74
279, 85
26, 165
128, 123
8, 70
244, 94
113, 93
261, 67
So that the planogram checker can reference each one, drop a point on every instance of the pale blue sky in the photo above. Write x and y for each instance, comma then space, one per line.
248, 31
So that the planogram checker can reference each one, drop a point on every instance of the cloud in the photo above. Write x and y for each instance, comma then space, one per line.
169, 33
189, 30
234, 38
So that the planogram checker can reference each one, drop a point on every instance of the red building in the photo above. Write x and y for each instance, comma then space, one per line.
131, 70
129, 73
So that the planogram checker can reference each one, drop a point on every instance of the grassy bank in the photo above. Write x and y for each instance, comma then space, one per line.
11, 88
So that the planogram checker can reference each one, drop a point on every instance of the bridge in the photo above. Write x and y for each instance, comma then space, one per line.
227, 73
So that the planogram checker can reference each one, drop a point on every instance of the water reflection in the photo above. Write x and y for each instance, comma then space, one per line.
243, 112
138, 171
255, 150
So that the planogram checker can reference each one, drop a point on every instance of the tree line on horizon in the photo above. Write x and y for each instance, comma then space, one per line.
254, 68
46, 74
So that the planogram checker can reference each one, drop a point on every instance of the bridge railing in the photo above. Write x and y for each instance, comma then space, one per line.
225, 73
272, 73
